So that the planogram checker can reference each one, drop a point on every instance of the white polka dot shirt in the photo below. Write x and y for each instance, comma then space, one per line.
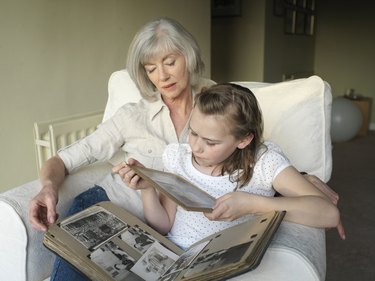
190, 227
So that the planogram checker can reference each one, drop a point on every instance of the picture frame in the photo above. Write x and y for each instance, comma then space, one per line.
301, 4
278, 8
300, 27
310, 5
225, 8
289, 3
310, 23
290, 21
299, 16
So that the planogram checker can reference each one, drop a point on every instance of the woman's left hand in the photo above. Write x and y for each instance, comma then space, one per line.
331, 194
231, 206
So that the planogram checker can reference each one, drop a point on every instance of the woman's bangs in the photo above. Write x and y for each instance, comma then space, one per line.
160, 45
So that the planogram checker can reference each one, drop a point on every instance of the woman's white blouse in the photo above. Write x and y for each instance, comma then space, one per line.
142, 130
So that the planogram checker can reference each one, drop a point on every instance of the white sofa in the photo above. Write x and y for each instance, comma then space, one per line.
297, 117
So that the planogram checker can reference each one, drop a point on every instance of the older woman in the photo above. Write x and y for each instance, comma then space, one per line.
164, 61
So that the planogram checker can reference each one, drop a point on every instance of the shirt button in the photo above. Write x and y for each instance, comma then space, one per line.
149, 151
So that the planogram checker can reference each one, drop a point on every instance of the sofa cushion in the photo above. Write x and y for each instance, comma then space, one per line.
121, 90
295, 112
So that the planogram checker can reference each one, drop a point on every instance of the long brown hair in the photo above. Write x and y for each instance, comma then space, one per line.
240, 108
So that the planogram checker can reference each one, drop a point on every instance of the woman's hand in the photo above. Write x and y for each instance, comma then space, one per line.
128, 175
331, 194
42, 209
232, 206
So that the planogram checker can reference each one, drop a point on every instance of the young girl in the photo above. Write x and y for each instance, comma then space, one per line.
227, 158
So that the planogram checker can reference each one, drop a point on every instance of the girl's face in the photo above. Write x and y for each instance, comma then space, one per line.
211, 141
167, 71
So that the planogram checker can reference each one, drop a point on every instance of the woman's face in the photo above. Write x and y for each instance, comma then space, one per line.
211, 140
168, 73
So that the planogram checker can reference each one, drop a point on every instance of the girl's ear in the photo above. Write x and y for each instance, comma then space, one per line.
245, 141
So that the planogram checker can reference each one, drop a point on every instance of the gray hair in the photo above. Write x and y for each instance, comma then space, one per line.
156, 36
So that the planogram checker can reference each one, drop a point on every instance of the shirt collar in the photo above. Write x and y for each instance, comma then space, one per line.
158, 105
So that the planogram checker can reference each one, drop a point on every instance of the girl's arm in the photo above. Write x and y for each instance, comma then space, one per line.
304, 203
159, 211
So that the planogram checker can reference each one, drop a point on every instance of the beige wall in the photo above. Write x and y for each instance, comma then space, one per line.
254, 47
238, 44
345, 47
342, 51
56, 57
285, 54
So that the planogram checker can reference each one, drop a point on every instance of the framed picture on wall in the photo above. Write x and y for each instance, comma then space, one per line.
301, 3
225, 8
300, 22
290, 21
299, 16
309, 27
278, 8
289, 3
310, 5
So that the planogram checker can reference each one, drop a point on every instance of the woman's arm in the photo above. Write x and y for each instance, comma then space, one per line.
42, 208
304, 203
331, 194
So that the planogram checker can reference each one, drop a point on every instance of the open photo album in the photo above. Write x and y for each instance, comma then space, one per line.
106, 242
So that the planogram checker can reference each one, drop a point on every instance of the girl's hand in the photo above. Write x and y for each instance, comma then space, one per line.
232, 206
129, 177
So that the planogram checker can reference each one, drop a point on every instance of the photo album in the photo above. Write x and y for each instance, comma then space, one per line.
106, 242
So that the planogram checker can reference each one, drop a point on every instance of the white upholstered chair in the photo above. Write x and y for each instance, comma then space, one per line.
297, 117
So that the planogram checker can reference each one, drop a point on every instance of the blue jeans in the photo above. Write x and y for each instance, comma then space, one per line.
62, 270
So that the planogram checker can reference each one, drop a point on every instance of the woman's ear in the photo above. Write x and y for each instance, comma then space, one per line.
245, 141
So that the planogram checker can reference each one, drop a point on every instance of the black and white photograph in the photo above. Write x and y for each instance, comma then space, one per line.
94, 229
187, 195
183, 261
221, 258
137, 238
114, 260
154, 262
225, 8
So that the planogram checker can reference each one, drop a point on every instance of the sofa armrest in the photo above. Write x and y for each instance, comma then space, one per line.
22, 254
296, 253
